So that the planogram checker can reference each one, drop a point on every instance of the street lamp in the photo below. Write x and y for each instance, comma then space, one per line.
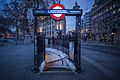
59, 29
40, 29
113, 34
77, 52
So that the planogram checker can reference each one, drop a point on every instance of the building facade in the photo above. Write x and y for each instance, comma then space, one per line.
86, 25
51, 27
105, 18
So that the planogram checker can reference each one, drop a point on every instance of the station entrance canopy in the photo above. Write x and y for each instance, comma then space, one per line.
57, 12
67, 12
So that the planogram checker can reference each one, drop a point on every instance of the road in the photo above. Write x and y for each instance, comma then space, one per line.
104, 58
99, 62
103, 49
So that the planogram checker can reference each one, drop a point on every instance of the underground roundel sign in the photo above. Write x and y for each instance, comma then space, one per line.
55, 8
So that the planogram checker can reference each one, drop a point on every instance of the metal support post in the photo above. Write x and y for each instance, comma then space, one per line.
36, 67
77, 45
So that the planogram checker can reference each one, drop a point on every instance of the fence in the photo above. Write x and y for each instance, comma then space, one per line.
64, 44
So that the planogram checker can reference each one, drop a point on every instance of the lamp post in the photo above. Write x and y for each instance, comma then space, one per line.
113, 34
59, 30
77, 51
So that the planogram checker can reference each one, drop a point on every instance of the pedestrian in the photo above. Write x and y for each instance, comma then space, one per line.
48, 41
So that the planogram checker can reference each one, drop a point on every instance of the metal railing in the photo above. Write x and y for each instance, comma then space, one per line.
60, 43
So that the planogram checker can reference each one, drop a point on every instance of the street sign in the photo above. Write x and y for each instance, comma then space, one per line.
47, 12
57, 16
57, 12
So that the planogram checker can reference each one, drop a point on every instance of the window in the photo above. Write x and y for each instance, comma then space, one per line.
110, 26
114, 12
119, 10
114, 6
106, 10
111, 7
113, 25
118, 24
99, 14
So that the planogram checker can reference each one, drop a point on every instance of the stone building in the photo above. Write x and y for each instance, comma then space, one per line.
51, 27
86, 25
105, 20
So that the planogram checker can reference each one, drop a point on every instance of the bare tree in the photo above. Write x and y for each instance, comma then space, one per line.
14, 10
4, 25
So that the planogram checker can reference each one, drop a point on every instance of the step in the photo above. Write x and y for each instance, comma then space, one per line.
58, 75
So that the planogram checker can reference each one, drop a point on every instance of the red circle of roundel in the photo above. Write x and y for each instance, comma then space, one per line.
55, 17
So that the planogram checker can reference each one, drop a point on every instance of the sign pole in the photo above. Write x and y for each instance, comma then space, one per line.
36, 67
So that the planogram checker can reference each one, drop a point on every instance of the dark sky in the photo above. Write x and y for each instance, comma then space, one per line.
86, 5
